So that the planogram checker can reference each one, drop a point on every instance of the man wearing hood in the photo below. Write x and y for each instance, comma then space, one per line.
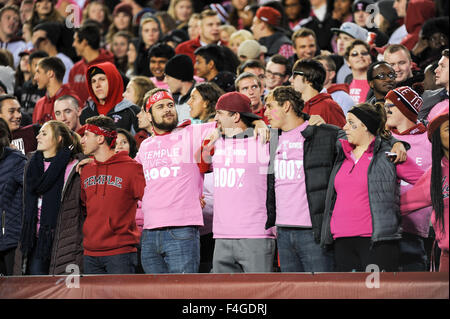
111, 186
86, 42
105, 87
417, 12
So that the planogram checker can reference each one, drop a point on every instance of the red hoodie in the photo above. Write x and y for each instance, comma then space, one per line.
322, 104
110, 192
77, 75
188, 48
115, 87
43, 110
417, 12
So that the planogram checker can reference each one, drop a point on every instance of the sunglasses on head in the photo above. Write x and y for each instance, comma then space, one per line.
297, 73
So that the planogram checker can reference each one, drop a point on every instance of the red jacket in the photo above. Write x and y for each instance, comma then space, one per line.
263, 117
188, 48
77, 75
417, 12
43, 110
338, 87
110, 191
322, 104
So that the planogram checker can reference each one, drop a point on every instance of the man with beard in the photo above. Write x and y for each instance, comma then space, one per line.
174, 185
381, 78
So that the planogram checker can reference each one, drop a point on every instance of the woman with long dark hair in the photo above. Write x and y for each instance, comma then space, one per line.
51, 236
433, 187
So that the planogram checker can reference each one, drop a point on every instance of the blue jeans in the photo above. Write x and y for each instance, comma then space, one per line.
298, 252
170, 250
115, 264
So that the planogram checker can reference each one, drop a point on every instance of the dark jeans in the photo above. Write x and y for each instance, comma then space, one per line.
413, 256
115, 264
7, 261
298, 251
38, 267
206, 253
355, 254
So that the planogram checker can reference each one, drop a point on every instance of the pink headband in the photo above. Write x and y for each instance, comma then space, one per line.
158, 96
100, 131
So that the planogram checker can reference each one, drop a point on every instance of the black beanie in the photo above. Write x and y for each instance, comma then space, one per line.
180, 67
387, 10
94, 71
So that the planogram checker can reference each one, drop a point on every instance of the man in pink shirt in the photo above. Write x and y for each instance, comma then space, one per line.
170, 241
301, 157
240, 161
402, 106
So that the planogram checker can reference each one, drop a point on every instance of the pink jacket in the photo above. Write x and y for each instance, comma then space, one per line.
419, 197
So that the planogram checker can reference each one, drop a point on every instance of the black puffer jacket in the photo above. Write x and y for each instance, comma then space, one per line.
318, 160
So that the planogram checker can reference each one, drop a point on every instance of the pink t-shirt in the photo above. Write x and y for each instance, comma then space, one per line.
417, 222
290, 187
351, 215
159, 84
66, 175
359, 90
240, 188
174, 183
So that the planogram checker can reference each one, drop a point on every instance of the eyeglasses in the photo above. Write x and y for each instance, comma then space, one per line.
383, 76
388, 106
297, 73
274, 74
356, 53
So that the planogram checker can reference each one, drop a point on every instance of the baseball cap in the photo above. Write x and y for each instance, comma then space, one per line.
353, 30
236, 102
361, 5
251, 49
269, 15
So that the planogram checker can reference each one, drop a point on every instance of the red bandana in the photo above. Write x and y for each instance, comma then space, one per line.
100, 131
158, 96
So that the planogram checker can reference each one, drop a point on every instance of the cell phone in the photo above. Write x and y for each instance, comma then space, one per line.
392, 156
